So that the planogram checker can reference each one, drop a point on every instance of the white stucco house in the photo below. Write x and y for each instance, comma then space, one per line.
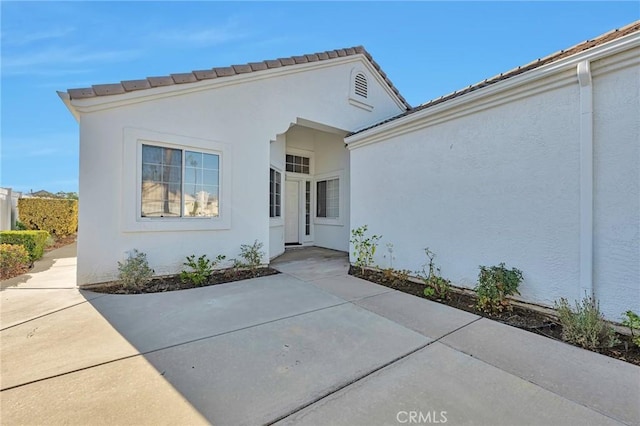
538, 167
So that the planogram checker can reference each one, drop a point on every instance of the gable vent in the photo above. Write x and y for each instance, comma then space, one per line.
361, 85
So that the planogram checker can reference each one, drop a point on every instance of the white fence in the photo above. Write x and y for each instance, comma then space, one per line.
8, 208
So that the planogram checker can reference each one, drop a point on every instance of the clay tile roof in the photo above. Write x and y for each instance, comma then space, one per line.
108, 89
242, 69
131, 85
205, 74
187, 77
273, 63
287, 61
586, 45
258, 66
195, 76
81, 93
224, 71
158, 81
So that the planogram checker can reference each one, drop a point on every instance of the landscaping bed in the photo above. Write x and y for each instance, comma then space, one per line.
61, 242
527, 319
173, 282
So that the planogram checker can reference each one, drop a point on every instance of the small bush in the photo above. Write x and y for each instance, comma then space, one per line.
495, 283
364, 248
14, 260
50, 241
252, 255
585, 326
33, 241
56, 216
632, 321
201, 269
135, 272
20, 226
436, 285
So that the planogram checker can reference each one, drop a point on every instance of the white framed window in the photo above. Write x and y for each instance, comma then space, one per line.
179, 183
328, 198
297, 164
275, 193
174, 183
307, 208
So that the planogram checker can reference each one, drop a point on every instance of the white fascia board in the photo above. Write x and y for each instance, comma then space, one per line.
67, 101
380, 132
99, 103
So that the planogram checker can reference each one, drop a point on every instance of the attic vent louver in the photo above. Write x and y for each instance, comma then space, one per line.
361, 85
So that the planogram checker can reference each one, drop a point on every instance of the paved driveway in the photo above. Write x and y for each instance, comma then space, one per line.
309, 346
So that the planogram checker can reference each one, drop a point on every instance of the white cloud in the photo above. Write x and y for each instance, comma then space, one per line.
215, 35
18, 39
25, 63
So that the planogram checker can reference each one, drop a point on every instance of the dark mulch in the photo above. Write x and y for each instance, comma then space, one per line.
172, 282
526, 319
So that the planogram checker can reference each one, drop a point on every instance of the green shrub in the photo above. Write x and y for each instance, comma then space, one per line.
632, 321
252, 255
14, 260
495, 283
435, 284
33, 241
364, 248
56, 216
135, 272
201, 269
585, 326
20, 226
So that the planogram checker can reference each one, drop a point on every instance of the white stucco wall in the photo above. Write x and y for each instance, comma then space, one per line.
236, 115
498, 180
616, 186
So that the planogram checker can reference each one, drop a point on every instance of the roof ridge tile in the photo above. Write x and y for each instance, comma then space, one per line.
217, 72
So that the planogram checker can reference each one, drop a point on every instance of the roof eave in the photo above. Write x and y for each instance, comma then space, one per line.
365, 136
64, 96
95, 103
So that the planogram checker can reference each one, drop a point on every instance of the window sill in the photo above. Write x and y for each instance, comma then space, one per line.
328, 221
177, 224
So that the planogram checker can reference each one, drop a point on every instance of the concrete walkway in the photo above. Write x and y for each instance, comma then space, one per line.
309, 346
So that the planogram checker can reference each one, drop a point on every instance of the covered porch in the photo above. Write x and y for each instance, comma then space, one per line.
308, 188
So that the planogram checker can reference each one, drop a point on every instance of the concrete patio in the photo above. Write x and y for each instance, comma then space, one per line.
309, 346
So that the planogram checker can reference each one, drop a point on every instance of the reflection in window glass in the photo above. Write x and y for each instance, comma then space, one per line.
177, 183
328, 198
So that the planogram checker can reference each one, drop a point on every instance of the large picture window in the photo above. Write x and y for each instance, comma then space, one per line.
275, 193
328, 198
179, 183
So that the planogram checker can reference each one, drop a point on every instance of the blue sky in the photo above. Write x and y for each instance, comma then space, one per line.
427, 48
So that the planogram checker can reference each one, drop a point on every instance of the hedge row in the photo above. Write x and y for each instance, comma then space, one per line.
58, 217
14, 260
33, 241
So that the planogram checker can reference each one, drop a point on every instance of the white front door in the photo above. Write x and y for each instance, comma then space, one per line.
291, 213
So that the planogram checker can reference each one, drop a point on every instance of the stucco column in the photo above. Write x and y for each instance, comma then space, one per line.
586, 179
